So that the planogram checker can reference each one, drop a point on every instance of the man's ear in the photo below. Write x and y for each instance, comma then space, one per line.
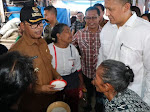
22, 26
58, 35
127, 7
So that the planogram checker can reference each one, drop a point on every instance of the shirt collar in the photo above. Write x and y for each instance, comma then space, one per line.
99, 29
129, 22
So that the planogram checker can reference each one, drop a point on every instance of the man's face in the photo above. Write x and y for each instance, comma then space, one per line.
49, 15
115, 11
80, 16
101, 13
92, 19
33, 30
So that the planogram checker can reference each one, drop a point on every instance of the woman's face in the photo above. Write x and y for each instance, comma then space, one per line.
98, 82
65, 36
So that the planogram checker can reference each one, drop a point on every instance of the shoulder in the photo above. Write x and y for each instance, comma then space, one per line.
18, 45
50, 45
130, 100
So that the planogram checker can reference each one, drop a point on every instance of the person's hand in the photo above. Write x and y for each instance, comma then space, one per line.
59, 77
49, 89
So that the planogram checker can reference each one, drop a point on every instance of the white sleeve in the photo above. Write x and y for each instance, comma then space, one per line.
100, 55
146, 62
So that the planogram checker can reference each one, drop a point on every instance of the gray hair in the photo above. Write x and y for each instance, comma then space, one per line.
126, 1
117, 74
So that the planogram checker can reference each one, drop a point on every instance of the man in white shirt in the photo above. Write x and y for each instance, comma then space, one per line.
126, 38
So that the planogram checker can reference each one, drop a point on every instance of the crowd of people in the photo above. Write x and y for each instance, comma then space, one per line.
107, 59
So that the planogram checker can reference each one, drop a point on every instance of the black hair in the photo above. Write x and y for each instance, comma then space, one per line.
99, 5
137, 10
3, 49
147, 15
51, 8
16, 74
93, 8
79, 12
57, 29
73, 19
117, 74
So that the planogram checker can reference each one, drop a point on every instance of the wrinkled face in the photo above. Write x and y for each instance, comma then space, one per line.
49, 15
92, 19
65, 36
115, 11
101, 13
33, 31
80, 16
98, 82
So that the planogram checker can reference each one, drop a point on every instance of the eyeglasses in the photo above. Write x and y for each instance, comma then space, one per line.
89, 18
34, 26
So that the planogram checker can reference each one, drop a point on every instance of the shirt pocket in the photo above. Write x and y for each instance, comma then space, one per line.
129, 54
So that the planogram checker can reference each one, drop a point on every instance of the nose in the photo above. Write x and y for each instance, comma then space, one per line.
93, 82
107, 12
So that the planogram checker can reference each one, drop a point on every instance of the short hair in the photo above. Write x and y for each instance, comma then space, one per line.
57, 29
51, 8
126, 1
79, 12
137, 10
16, 74
117, 74
99, 5
92, 8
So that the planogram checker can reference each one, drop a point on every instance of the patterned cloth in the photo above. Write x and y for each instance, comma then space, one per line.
89, 44
77, 25
128, 101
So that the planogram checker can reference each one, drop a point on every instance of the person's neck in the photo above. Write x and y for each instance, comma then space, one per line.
110, 94
61, 45
126, 18
53, 23
94, 30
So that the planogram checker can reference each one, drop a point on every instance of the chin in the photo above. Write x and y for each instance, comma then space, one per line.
112, 22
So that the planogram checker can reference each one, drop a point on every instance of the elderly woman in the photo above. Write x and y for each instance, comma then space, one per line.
66, 61
112, 79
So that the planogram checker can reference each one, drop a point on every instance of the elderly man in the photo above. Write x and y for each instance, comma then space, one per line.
126, 38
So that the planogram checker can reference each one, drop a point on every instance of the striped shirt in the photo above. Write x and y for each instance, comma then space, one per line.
89, 44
